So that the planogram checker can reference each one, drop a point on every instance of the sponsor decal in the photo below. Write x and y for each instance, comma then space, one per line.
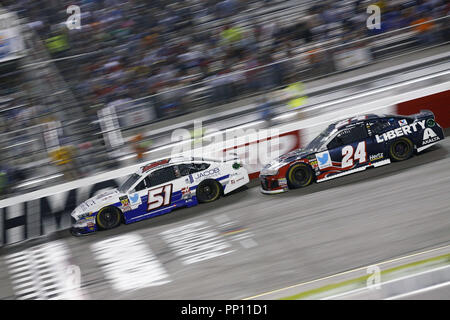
186, 193
431, 122
368, 125
377, 156
232, 181
429, 136
402, 131
313, 164
86, 216
124, 201
282, 182
207, 173
154, 164
403, 122
344, 132
135, 199
126, 208
240, 179
323, 159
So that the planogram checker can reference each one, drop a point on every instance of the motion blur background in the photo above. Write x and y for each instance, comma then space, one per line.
79, 102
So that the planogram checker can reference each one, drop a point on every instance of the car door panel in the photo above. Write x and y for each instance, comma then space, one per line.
155, 193
347, 151
375, 150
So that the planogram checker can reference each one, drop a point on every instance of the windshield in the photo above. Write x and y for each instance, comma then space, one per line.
318, 141
129, 182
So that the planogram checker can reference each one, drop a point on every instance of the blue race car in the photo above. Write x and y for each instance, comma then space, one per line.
352, 145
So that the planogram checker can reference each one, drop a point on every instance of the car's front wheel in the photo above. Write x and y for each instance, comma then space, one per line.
208, 191
299, 175
108, 218
401, 149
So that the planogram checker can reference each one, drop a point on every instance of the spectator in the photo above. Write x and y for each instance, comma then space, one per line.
424, 28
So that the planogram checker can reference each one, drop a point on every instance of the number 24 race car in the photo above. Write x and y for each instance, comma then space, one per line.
349, 146
158, 188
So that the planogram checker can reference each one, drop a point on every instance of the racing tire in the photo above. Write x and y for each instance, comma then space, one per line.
299, 175
108, 218
208, 191
401, 149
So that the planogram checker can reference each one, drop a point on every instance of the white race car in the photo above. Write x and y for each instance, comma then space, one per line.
158, 188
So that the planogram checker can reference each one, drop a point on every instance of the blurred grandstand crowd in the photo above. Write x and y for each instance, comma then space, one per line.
179, 56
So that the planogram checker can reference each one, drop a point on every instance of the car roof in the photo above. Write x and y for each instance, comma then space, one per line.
340, 124
158, 164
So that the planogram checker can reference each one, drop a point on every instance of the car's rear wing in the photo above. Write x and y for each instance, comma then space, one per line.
227, 158
231, 157
423, 114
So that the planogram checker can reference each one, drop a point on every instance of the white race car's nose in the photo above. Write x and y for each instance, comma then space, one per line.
80, 211
75, 213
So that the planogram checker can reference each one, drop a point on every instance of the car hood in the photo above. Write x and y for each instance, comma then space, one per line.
288, 158
97, 202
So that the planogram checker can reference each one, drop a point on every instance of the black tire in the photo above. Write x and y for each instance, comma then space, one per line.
401, 149
108, 218
208, 191
299, 175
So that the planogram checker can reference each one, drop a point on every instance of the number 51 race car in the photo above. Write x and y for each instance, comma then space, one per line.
158, 188
349, 146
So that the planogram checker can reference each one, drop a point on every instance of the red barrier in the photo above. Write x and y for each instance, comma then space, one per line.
438, 103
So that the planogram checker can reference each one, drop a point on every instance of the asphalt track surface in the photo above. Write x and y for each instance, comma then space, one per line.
275, 241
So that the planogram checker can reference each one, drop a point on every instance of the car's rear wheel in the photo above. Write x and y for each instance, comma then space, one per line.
401, 149
108, 218
299, 175
208, 191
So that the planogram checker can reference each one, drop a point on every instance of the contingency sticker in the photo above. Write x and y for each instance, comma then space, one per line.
323, 159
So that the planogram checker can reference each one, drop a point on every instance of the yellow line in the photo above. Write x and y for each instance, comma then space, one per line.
345, 272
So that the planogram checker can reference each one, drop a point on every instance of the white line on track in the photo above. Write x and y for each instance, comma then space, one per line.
346, 272
430, 288
195, 242
41, 272
352, 292
128, 263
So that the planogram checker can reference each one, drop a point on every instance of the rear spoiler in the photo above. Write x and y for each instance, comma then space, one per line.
423, 114
231, 157
226, 158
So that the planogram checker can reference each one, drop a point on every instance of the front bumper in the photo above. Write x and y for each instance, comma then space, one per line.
83, 229
273, 184
271, 191
77, 232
